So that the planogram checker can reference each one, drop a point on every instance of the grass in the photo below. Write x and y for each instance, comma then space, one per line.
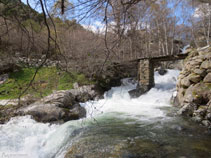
47, 80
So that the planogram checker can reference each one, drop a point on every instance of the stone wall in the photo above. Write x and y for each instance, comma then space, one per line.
29, 62
194, 87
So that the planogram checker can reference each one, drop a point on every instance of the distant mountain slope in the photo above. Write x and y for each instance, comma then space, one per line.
16, 9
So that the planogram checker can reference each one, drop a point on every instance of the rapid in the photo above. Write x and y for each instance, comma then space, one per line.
115, 127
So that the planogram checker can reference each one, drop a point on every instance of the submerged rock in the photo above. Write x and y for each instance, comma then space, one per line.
91, 147
162, 71
138, 91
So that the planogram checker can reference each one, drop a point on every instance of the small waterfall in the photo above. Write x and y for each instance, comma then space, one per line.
185, 48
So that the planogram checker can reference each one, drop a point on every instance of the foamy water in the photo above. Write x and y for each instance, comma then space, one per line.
24, 137
147, 105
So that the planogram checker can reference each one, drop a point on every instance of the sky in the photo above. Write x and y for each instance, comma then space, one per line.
96, 25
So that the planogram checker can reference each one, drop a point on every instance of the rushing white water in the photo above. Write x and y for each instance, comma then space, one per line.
145, 107
185, 48
24, 137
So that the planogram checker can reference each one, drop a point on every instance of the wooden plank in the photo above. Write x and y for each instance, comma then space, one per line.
166, 58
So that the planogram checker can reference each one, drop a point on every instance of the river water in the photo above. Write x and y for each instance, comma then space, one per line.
116, 127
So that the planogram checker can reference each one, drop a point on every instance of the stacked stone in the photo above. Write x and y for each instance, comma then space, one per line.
28, 62
146, 74
194, 86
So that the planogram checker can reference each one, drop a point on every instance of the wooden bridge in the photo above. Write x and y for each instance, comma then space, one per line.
146, 72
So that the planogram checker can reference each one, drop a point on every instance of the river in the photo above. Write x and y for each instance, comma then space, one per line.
115, 127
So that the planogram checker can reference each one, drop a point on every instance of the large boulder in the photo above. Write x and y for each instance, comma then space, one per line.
199, 93
86, 93
60, 106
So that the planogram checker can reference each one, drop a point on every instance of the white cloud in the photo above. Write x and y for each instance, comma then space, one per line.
99, 27
96, 27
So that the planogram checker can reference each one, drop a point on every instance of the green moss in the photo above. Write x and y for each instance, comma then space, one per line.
191, 54
208, 85
195, 94
46, 80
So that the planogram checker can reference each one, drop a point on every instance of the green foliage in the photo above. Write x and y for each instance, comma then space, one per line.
15, 8
32, 24
47, 80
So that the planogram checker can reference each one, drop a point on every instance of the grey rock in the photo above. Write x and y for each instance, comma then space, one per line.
162, 71
208, 116
189, 97
86, 93
201, 111
57, 107
63, 99
194, 78
60, 106
185, 82
198, 93
187, 110
139, 91
206, 123
180, 97
207, 78
200, 72
75, 85
206, 64
197, 119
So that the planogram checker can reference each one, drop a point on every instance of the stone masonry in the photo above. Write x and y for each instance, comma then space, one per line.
146, 75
